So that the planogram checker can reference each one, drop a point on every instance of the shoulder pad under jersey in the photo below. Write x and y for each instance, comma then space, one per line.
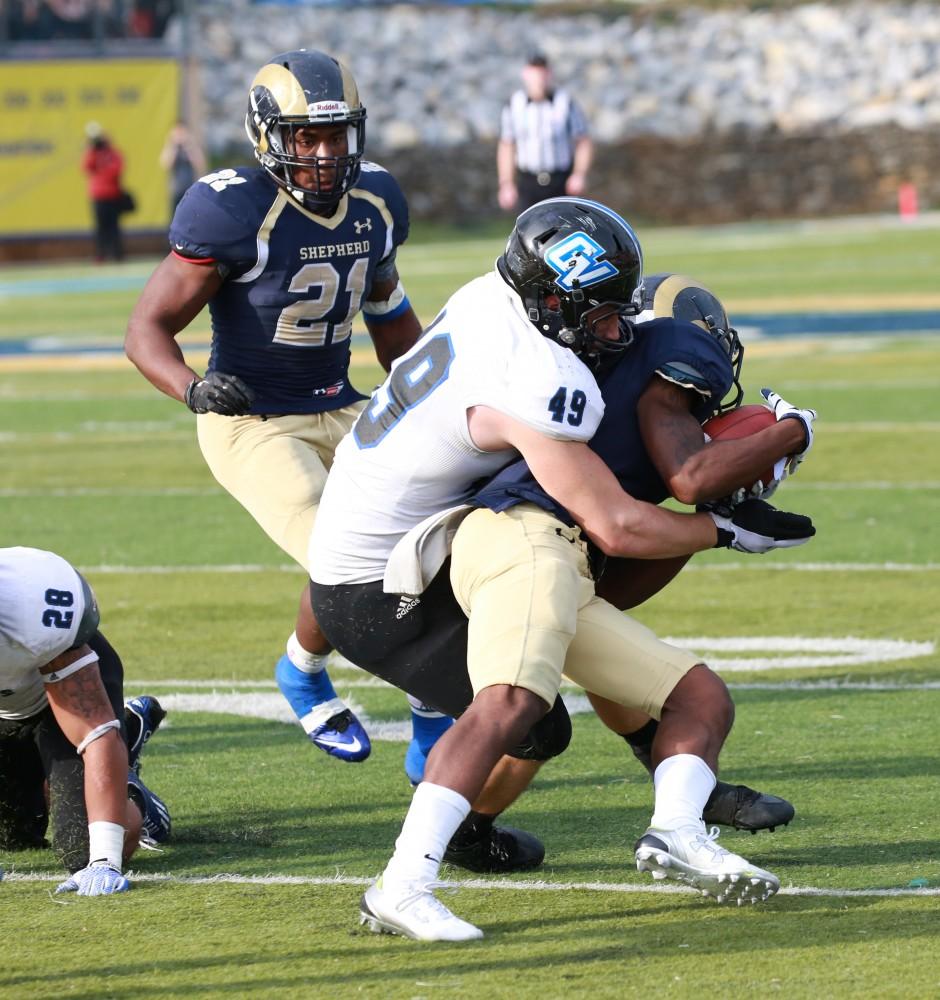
220, 215
377, 183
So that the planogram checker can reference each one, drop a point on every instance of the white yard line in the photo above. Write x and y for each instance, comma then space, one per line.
217, 686
175, 491
761, 565
479, 883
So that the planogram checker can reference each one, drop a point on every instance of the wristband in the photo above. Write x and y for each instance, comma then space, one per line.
106, 843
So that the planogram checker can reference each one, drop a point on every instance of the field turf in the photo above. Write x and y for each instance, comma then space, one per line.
830, 650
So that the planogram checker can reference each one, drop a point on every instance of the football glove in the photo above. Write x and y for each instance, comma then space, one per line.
754, 526
783, 411
98, 879
218, 393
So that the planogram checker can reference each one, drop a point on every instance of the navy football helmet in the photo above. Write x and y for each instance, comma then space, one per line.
567, 258
675, 295
297, 90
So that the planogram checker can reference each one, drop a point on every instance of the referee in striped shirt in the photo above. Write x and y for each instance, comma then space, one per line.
544, 148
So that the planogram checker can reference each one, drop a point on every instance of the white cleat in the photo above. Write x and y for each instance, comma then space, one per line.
692, 856
413, 912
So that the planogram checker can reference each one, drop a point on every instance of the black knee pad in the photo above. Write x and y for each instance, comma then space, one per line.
549, 737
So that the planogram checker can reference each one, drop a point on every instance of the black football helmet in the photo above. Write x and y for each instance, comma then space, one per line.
583, 255
684, 298
296, 90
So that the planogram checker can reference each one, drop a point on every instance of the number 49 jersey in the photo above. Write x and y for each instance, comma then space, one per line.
410, 454
42, 605
294, 280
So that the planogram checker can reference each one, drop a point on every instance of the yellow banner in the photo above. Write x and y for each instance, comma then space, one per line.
44, 108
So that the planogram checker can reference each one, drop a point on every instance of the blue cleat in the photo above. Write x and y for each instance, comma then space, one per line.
328, 723
156, 816
142, 718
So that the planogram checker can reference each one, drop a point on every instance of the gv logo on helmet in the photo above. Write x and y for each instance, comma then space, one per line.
576, 258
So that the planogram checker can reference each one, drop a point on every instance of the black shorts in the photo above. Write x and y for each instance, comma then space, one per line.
35, 750
419, 644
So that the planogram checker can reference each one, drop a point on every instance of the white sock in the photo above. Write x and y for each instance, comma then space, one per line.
682, 784
309, 663
435, 814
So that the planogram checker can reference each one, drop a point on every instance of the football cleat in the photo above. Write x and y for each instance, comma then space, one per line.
328, 723
694, 857
745, 809
142, 718
494, 850
340, 733
413, 912
156, 817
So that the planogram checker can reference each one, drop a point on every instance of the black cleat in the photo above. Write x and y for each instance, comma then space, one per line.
494, 850
745, 809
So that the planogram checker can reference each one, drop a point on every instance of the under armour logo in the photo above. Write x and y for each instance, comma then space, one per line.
362, 227
576, 262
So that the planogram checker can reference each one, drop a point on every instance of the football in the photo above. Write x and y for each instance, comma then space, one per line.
739, 423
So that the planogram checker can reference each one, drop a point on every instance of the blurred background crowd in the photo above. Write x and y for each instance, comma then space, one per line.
697, 114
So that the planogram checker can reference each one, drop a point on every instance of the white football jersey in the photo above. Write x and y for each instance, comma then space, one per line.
41, 607
410, 454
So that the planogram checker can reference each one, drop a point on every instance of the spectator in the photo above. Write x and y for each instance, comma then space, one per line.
104, 164
544, 148
184, 160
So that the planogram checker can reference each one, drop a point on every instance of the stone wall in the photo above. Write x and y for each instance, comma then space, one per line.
698, 116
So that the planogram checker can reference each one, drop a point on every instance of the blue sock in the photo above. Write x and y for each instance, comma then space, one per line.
427, 727
304, 691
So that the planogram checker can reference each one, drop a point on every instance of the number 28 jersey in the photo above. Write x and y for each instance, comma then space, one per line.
42, 603
294, 280
410, 454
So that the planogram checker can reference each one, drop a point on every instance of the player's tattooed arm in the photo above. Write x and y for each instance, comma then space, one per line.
673, 437
391, 337
696, 471
79, 700
80, 705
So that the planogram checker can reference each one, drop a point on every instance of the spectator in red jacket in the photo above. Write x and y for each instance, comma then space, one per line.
103, 165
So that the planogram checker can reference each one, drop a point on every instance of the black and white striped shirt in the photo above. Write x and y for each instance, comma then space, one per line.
544, 131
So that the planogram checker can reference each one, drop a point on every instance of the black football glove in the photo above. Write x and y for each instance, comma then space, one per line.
754, 526
218, 393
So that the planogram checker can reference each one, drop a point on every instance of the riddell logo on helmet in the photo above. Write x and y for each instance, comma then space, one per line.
327, 108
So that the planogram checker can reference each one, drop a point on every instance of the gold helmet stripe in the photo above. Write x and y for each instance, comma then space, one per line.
350, 90
670, 288
285, 87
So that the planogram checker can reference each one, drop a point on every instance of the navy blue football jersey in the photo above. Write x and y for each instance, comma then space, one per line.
662, 348
293, 280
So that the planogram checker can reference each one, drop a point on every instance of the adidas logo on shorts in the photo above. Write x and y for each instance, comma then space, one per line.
405, 605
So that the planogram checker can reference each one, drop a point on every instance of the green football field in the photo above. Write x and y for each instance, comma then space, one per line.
830, 651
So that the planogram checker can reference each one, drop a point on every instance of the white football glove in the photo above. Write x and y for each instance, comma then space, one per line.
98, 879
754, 526
782, 411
